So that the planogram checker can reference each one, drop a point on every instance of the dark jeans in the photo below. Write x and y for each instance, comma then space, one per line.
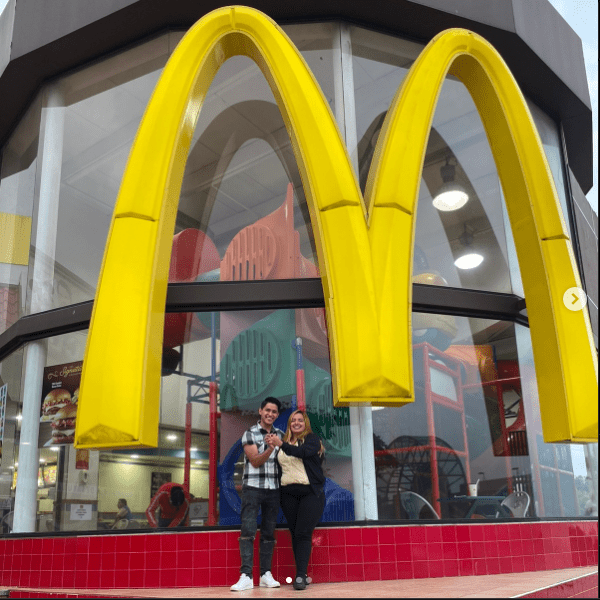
303, 509
267, 501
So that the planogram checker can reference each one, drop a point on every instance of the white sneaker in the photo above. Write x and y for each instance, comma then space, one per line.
245, 583
267, 580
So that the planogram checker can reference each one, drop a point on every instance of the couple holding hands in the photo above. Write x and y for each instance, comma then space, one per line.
280, 469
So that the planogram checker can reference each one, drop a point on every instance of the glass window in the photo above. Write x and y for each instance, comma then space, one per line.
89, 120
248, 355
568, 473
551, 141
242, 196
10, 406
17, 184
460, 245
241, 171
471, 445
252, 355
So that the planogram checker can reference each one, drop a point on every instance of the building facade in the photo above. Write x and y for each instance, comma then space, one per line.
245, 315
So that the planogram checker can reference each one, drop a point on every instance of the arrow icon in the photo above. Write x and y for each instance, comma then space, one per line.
575, 299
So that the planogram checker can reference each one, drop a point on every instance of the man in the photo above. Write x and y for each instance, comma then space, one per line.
174, 504
260, 491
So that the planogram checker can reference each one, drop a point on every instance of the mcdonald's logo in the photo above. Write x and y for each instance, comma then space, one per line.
364, 246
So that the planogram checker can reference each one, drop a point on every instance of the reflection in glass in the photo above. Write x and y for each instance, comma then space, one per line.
251, 355
471, 445
566, 474
89, 121
11, 395
458, 161
242, 189
18, 162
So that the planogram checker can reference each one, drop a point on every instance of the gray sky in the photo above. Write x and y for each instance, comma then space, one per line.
582, 16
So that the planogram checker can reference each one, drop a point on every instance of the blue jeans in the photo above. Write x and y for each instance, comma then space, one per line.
253, 500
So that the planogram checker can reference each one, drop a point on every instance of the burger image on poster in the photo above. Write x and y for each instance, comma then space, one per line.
54, 401
63, 425
60, 407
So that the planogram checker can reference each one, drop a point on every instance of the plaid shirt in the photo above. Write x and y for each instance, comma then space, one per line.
266, 476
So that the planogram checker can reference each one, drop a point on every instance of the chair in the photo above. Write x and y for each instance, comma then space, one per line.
413, 504
517, 503
6, 523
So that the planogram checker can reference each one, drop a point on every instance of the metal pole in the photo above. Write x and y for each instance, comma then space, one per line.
213, 433
50, 160
300, 381
188, 445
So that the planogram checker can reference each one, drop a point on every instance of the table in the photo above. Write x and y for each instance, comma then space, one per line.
472, 503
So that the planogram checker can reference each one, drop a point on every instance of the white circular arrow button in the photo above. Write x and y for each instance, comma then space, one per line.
575, 298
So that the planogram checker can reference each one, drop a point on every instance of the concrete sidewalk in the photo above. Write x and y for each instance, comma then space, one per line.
577, 582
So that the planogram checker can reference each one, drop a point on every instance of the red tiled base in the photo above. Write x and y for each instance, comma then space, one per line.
201, 559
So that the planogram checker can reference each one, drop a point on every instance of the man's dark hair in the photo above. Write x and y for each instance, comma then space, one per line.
271, 400
177, 496
123, 501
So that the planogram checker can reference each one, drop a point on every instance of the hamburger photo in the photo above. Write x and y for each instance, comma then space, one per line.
55, 401
63, 425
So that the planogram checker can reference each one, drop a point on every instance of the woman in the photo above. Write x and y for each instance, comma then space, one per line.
302, 482
124, 513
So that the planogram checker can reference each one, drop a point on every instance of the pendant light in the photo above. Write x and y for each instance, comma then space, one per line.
468, 260
452, 195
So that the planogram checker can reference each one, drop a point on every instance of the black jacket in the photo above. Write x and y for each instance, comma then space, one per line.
308, 451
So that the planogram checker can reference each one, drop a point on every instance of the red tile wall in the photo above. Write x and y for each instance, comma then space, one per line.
172, 560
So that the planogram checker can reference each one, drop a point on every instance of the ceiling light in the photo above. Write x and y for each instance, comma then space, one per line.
172, 437
135, 456
469, 261
452, 195
42, 460
19, 417
194, 449
199, 462
54, 448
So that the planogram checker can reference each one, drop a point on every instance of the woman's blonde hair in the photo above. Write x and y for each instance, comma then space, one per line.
307, 429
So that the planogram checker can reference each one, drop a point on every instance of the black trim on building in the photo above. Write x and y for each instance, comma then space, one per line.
571, 209
264, 295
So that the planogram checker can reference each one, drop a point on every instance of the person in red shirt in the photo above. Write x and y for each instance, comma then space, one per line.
174, 503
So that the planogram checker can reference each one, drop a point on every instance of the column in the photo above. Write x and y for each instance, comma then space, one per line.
361, 422
50, 163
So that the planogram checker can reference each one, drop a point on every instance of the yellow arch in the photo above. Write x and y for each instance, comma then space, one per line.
364, 275
565, 359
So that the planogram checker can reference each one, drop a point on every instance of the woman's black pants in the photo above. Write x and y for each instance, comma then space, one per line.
303, 509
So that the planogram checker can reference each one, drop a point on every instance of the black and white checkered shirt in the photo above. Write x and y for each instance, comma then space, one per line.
266, 476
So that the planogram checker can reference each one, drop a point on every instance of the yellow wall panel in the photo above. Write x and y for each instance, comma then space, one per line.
15, 239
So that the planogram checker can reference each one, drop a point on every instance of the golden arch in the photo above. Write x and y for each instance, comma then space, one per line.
365, 268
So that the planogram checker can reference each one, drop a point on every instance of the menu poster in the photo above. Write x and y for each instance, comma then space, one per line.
60, 392
82, 459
